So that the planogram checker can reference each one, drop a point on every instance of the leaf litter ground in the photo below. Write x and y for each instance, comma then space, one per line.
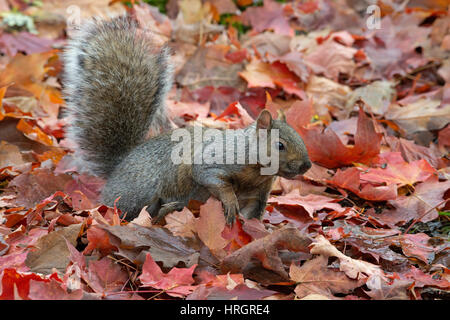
369, 220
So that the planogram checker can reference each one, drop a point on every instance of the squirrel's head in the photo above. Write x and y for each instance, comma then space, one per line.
292, 153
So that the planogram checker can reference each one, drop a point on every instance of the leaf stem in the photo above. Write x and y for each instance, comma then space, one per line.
424, 214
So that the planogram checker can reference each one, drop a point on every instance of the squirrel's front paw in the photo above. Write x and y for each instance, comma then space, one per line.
231, 211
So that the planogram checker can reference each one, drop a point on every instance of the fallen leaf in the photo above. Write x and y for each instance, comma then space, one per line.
132, 239
25, 42
354, 269
266, 250
398, 290
268, 17
422, 115
236, 236
181, 223
240, 292
331, 59
418, 246
422, 279
243, 118
311, 203
27, 72
412, 152
326, 148
326, 93
10, 155
104, 276
204, 66
299, 114
349, 179
314, 277
397, 171
177, 282
15, 285
15, 260
377, 96
209, 227
51, 250
36, 185
143, 219
426, 196
261, 74
52, 290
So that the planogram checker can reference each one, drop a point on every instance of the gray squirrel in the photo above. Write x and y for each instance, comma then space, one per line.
115, 85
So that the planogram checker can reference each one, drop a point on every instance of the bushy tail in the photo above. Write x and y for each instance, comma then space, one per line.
115, 86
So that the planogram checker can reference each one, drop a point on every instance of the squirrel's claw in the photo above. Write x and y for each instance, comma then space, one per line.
230, 214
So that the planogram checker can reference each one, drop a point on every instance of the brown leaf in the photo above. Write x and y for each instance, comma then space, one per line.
314, 277
208, 67
143, 219
427, 195
51, 250
100, 240
330, 59
412, 152
398, 290
38, 184
243, 118
266, 250
418, 245
87, 8
132, 239
326, 93
10, 155
355, 269
27, 72
299, 113
422, 115
181, 223
422, 279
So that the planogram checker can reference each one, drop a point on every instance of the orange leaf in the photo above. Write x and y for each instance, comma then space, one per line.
55, 154
262, 74
33, 132
27, 72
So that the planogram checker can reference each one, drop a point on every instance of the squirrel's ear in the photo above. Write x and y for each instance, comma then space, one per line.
281, 115
264, 120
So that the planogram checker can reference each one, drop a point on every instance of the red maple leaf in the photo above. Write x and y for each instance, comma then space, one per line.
177, 282
327, 149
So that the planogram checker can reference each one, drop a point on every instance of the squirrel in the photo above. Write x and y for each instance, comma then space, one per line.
115, 86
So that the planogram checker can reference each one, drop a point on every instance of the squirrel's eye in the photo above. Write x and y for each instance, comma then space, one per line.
280, 146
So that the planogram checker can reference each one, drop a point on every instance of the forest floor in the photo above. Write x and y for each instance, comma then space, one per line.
368, 91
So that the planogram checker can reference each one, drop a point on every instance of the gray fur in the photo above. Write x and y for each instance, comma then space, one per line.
115, 86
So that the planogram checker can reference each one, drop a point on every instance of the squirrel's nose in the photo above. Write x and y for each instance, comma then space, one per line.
305, 166
300, 166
